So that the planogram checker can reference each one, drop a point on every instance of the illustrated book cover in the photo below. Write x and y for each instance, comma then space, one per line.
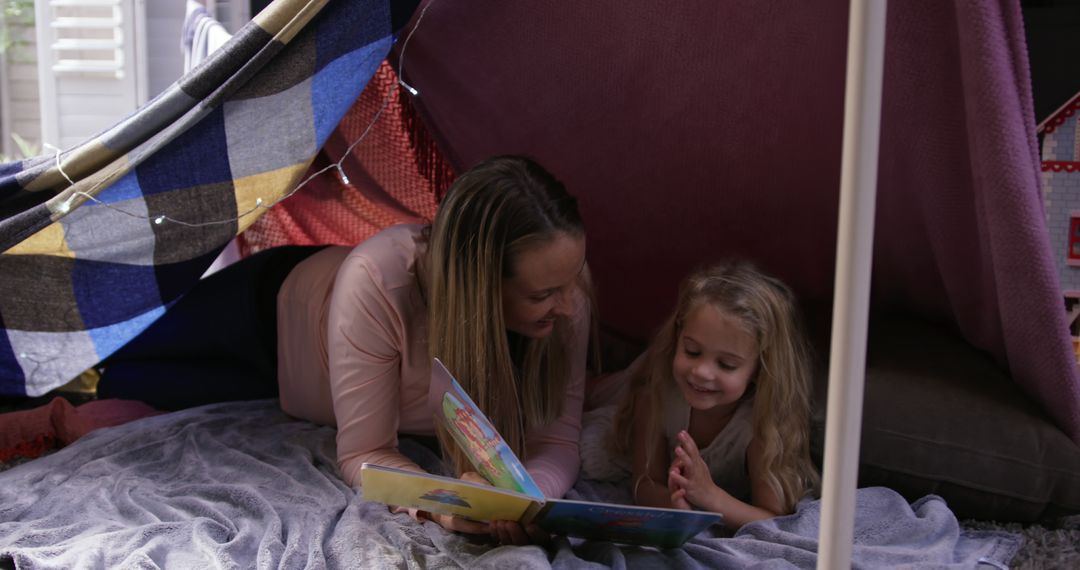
513, 495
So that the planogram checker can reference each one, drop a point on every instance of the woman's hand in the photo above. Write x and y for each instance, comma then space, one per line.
449, 522
474, 477
503, 532
689, 479
513, 532
509, 532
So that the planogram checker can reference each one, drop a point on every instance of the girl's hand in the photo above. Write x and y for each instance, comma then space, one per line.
678, 500
678, 493
689, 474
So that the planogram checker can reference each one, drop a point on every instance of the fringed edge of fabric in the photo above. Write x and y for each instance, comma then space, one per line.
430, 162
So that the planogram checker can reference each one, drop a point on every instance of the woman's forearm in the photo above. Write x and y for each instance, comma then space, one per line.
349, 466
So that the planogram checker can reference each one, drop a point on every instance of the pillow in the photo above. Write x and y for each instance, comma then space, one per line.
940, 417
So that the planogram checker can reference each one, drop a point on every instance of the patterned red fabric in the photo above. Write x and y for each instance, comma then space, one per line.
30, 433
395, 174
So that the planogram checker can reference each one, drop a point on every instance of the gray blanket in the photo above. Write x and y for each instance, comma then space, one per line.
242, 485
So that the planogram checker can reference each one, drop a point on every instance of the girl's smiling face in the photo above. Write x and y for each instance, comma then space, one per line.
715, 359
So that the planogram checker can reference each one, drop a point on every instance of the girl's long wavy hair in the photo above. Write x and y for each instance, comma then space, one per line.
781, 387
491, 213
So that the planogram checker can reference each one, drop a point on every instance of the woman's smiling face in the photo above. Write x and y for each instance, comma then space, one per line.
544, 285
715, 359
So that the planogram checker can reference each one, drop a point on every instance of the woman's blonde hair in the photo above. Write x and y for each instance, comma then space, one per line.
781, 387
493, 212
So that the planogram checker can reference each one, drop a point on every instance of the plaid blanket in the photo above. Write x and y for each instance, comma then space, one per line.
99, 240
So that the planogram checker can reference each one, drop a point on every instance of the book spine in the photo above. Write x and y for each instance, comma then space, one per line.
534, 512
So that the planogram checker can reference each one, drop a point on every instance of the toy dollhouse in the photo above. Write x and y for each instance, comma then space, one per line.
1061, 195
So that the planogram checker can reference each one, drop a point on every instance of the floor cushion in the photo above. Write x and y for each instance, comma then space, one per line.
940, 417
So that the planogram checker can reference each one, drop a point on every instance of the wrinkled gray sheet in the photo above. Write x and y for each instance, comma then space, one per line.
242, 485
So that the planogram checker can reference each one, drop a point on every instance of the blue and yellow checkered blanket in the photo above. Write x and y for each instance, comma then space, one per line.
99, 240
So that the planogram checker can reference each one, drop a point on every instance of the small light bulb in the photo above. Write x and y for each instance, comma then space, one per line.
159, 219
412, 90
341, 174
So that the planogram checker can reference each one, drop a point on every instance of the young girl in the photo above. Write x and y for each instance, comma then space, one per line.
718, 410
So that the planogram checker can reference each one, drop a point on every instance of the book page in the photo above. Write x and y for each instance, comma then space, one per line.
647, 526
403, 488
487, 450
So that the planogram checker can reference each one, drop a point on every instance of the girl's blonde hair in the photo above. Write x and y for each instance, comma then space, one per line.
781, 387
491, 213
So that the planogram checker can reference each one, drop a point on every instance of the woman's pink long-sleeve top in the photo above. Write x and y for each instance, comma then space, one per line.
353, 353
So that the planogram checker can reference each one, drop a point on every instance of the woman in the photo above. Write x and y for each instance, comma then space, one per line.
496, 288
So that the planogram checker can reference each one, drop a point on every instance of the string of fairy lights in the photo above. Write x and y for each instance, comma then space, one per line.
159, 219
41, 361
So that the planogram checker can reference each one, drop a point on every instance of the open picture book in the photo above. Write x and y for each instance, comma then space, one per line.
513, 495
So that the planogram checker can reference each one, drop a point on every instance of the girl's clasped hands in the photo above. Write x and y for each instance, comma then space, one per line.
689, 479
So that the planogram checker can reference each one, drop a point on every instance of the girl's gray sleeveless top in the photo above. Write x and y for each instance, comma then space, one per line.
726, 453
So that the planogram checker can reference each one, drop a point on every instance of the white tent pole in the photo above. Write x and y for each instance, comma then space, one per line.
851, 301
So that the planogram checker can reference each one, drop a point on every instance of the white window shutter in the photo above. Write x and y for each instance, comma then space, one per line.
91, 66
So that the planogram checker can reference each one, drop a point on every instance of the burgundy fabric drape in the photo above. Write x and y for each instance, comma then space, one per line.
961, 226
698, 130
